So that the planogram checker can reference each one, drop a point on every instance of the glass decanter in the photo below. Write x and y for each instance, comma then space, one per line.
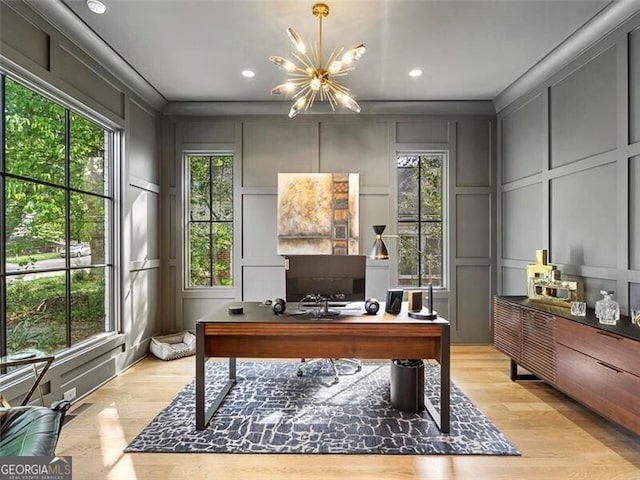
607, 309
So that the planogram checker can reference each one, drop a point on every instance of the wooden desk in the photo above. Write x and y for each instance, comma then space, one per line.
259, 333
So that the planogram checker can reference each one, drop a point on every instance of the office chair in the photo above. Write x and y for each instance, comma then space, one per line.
304, 363
319, 308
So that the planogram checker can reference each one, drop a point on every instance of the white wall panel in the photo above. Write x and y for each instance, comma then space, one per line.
424, 131
359, 147
514, 281
473, 222
208, 132
522, 228
634, 86
377, 279
259, 236
24, 37
270, 148
263, 282
583, 111
144, 155
634, 296
145, 290
473, 153
86, 80
523, 140
473, 290
634, 213
583, 217
143, 224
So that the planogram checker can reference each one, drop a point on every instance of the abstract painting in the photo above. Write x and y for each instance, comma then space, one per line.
318, 214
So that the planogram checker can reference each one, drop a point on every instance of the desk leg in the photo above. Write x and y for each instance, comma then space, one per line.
201, 360
203, 414
442, 418
445, 380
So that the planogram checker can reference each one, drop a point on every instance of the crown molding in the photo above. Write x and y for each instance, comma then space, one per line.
58, 14
605, 21
202, 109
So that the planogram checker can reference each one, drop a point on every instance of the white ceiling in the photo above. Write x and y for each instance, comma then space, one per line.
469, 50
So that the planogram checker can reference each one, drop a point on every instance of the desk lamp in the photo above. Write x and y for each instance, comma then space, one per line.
379, 251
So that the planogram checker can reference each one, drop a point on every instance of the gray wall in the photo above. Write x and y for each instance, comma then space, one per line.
569, 173
364, 144
31, 49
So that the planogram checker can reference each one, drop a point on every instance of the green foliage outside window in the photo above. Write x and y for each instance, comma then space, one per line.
420, 219
55, 203
210, 220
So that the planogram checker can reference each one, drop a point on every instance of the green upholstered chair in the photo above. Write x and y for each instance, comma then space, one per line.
31, 430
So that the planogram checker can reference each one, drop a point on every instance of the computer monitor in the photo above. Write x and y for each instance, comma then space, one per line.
339, 279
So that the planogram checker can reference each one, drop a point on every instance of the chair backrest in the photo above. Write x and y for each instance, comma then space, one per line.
31, 430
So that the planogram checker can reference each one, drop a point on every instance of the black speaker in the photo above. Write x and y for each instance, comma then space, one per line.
394, 301
279, 306
371, 306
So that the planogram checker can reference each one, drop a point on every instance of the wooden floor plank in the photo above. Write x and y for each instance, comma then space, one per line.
558, 438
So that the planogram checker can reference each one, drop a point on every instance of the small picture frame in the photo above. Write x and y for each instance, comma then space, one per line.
579, 309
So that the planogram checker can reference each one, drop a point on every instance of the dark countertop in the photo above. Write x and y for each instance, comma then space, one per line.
624, 327
255, 312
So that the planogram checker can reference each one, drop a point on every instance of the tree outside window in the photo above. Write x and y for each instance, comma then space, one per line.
56, 218
420, 218
210, 221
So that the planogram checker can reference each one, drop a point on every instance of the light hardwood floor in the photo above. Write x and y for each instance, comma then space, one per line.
558, 438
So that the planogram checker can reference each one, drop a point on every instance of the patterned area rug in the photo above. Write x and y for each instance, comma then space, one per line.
272, 410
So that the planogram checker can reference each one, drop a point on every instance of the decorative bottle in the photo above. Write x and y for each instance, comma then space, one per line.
607, 309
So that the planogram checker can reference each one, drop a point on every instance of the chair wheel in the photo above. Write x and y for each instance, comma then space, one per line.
299, 373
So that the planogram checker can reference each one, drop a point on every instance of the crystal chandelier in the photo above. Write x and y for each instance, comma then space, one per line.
309, 78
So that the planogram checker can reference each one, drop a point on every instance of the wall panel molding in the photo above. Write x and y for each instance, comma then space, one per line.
589, 198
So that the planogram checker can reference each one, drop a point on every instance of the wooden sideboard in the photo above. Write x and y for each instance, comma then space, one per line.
597, 365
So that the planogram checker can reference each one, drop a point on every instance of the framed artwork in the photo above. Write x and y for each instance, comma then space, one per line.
318, 213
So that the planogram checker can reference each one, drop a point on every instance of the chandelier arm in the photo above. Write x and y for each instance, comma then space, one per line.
338, 87
303, 91
310, 99
306, 61
342, 73
332, 98
300, 83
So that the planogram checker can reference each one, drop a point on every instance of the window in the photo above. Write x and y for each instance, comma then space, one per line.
56, 272
210, 221
421, 206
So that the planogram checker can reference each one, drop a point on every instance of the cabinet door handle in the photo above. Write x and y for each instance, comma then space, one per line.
608, 335
605, 365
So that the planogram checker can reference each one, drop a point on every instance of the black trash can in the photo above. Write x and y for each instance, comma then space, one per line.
407, 385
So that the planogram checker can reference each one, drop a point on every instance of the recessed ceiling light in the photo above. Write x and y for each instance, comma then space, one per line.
416, 72
96, 6
248, 73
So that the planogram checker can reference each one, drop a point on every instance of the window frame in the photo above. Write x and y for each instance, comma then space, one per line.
224, 290
111, 195
445, 219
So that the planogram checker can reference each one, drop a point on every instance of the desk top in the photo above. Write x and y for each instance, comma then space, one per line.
256, 312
